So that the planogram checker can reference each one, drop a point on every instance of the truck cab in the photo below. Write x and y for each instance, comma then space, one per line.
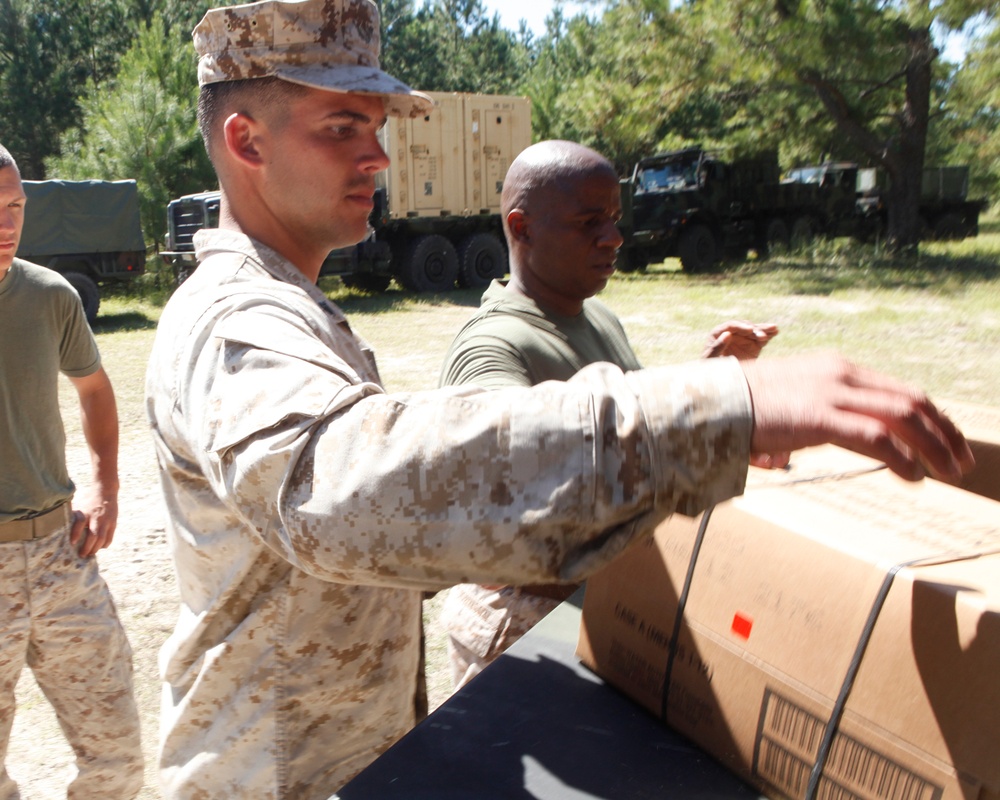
693, 204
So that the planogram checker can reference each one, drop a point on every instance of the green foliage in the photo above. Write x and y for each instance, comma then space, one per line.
976, 102
51, 51
42, 61
846, 79
144, 129
450, 46
851, 79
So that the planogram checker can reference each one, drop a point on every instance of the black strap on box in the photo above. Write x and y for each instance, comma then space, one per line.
696, 550
681, 604
833, 724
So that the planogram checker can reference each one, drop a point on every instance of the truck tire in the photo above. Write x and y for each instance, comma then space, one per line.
949, 227
776, 237
697, 249
431, 265
90, 296
631, 259
366, 282
182, 272
481, 258
803, 232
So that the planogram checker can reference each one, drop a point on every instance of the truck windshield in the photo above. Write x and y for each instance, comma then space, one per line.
805, 175
673, 175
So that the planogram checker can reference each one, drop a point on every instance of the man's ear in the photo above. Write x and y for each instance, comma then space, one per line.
517, 224
241, 134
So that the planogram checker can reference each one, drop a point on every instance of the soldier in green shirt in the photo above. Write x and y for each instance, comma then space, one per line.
561, 202
56, 613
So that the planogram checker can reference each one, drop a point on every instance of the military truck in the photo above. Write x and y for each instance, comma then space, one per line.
185, 217
946, 212
436, 219
701, 208
89, 231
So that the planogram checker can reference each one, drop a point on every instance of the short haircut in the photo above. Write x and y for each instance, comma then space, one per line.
249, 96
6, 159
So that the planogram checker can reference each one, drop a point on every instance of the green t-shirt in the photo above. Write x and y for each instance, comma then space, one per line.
512, 341
43, 332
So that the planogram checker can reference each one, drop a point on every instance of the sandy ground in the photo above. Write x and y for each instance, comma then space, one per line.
139, 571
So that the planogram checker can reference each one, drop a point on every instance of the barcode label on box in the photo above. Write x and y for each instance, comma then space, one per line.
788, 741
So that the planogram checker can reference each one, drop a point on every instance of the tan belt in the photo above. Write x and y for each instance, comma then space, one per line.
24, 530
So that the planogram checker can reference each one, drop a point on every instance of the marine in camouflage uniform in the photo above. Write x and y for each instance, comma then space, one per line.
56, 613
308, 509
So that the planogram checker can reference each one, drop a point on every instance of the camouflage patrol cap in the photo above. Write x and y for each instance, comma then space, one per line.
327, 44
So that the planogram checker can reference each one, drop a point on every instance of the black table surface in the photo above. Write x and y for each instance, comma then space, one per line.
538, 725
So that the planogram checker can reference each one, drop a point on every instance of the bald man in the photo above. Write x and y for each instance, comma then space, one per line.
560, 205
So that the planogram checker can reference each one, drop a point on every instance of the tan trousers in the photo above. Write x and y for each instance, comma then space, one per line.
482, 623
57, 617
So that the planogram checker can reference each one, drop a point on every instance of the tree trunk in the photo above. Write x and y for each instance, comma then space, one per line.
901, 156
906, 169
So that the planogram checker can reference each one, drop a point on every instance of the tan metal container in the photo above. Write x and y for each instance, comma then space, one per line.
452, 162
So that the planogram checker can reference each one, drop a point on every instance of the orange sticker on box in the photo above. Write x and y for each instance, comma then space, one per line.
741, 625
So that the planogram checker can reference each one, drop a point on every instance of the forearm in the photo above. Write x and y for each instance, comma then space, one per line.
99, 417
97, 507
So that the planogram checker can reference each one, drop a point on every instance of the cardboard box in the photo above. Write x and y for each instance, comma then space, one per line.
773, 631
981, 426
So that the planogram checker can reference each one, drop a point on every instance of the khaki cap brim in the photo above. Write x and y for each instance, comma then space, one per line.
400, 99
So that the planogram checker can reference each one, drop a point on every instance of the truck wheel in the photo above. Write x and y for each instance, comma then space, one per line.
89, 294
182, 272
431, 265
949, 227
776, 237
697, 249
630, 259
481, 258
803, 232
366, 282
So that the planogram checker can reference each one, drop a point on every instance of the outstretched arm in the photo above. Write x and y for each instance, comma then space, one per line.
814, 399
96, 510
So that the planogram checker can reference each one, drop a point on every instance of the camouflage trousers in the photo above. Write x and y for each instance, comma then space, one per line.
483, 622
58, 618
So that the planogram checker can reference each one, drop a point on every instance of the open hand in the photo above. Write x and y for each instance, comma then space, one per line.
817, 399
740, 339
